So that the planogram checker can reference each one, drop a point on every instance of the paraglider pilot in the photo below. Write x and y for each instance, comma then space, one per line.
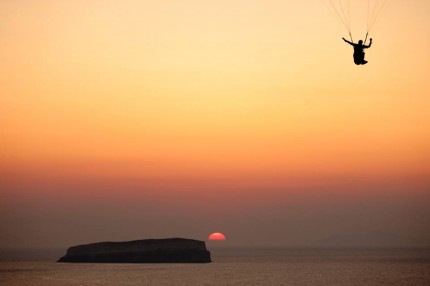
359, 51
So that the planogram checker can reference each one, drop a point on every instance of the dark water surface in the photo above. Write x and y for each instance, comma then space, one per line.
246, 266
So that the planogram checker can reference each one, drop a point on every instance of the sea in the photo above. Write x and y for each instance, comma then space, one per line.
230, 266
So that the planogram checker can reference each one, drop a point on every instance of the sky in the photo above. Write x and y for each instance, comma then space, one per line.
125, 120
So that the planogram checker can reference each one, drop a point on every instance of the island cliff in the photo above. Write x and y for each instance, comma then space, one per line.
170, 250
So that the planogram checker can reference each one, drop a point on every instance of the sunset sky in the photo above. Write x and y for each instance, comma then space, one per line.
124, 120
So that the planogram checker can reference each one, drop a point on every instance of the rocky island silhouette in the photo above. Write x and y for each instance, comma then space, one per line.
169, 250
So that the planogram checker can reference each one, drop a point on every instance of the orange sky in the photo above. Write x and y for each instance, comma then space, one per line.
189, 94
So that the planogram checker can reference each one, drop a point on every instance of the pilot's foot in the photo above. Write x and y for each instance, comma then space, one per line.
364, 62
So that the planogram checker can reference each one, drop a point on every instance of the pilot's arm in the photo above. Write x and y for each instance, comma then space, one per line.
370, 44
351, 43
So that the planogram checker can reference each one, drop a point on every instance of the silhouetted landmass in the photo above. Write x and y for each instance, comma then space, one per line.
170, 250
373, 239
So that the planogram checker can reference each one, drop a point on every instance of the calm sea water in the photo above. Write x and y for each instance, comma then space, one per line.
231, 267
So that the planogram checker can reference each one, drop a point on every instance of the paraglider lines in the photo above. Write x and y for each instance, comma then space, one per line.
342, 17
347, 19
376, 12
342, 10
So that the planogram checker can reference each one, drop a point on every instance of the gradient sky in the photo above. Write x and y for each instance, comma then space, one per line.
124, 120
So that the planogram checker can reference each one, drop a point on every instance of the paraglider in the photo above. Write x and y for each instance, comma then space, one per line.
342, 10
359, 51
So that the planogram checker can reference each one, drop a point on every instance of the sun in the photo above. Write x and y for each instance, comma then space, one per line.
216, 236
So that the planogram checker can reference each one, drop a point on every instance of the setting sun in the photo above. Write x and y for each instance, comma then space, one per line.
216, 236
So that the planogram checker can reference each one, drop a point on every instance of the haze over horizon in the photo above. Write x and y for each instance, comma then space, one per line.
141, 119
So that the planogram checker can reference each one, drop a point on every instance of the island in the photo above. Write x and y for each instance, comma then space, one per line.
169, 250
